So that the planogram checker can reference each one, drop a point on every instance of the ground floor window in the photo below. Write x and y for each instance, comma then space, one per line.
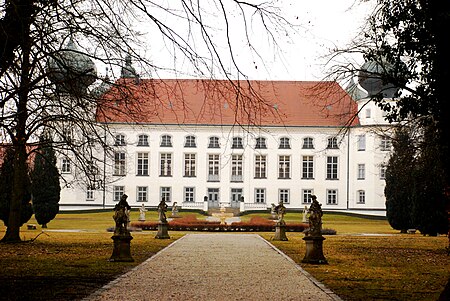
260, 195
89, 194
306, 196
361, 197
142, 194
166, 194
332, 197
189, 194
118, 191
283, 196
236, 194
213, 194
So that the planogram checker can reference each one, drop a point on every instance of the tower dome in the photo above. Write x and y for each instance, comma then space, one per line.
71, 70
371, 78
128, 70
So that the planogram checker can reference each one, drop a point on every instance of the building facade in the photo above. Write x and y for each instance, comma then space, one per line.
206, 143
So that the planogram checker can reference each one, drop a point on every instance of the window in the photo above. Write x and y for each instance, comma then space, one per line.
260, 143
361, 171
361, 142
308, 143
65, 165
236, 168
118, 191
142, 140
332, 197
361, 197
236, 194
306, 196
166, 141
368, 113
166, 194
189, 194
213, 195
382, 172
332, 143
385, 143
283, 196
89, 194
213, 142
119, 140
142, 164
190, 141
189, 165
284, 167
237, 142
332, 168
260, 167
165, 165
308, 167
284, 143
260, 195
142, 194
213, 168
119, 164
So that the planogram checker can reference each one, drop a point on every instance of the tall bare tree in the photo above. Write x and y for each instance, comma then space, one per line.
47, 72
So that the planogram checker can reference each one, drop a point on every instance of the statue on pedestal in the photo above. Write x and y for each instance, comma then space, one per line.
174, 209
315, 218
142, 211
280, 210
121, 236
163, 224
313, 237
121, 215
280, 226
162, 208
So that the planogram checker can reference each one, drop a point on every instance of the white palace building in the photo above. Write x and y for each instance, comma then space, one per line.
246, 144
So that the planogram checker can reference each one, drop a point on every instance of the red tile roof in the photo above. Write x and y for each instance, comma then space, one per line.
222, 102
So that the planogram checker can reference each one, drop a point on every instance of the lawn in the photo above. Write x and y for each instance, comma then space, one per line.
367, 259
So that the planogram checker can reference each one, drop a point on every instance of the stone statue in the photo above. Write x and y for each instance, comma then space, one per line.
305, 212
280, 210
121, 215
162, 208
315, 218
142, 211
174, 209
272, 212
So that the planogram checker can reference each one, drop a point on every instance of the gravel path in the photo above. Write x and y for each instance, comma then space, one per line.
216, 267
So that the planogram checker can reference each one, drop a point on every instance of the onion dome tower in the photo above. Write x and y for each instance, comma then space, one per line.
128, 70
371, 78
355, 92
71, 70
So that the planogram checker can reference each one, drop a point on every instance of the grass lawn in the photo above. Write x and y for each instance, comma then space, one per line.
380, 265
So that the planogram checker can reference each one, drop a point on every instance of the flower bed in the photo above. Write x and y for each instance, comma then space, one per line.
191, 223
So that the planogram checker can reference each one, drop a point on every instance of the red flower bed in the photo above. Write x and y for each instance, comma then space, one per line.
191, 223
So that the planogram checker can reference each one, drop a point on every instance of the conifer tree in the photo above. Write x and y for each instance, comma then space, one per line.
45, 186
6, 184
400, 181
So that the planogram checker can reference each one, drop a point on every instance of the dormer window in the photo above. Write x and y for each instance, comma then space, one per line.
260, 143
119, 140
190, 142
213, 142
332, 143
166, 141
308, 143
385, 143
285, 143
142, 140
237, 142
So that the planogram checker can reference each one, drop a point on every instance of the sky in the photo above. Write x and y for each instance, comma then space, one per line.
320, 25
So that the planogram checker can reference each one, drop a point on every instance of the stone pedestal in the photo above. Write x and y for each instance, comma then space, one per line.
280, 231
314, 250
121, 250
162, 231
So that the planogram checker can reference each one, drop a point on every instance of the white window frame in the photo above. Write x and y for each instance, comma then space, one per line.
237, 143
307, 196
213, 167
285, 143
143, 140
66, 166
361, 195
142, 194
213, 194
190, 160
308, 167
332, 143
189, 194
165, 164
166, 193
261, 143
90, 194
308, 143
142, 164
260, 195
385, 143
119, 140
237, 168
120, 161
190, 141
361, 171
332, 196
284, 195
361, 141
214, 142
260, 166
284, 167
118, 191
166, 141
332, 168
